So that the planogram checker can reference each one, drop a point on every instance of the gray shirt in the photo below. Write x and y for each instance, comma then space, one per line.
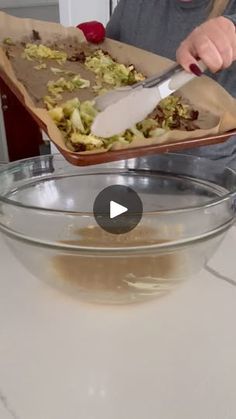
159, 26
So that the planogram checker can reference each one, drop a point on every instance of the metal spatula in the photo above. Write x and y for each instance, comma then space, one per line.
124, 107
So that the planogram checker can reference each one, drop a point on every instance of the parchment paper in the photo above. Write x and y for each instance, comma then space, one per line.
217, 108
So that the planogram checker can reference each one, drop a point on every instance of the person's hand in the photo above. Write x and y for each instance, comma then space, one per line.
214, 42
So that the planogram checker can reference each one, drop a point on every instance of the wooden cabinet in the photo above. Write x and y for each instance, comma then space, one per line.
23, 134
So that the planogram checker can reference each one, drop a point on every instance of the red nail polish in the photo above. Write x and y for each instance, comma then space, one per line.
195, 70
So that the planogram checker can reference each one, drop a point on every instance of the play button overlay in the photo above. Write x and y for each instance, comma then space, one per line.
118, 209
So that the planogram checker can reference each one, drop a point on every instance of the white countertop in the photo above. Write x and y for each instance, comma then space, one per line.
174, 358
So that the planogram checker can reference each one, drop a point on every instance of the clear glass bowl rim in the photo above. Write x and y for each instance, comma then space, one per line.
94, 170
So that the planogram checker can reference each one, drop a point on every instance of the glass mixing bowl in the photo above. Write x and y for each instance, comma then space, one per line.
46, 218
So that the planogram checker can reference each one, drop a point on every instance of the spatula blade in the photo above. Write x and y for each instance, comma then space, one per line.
105, 100
125, 113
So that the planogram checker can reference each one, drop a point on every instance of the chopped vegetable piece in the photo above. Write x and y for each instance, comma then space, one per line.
80, 83
8, 41
110, 72
56, 114
49, 102
61, 85
90, 141
146, 126
157, 132
88, 113
76, 121
69, 106
41, 52
41, 66
56, 71
172, 113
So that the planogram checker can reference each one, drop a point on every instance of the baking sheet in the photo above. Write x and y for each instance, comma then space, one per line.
217, 107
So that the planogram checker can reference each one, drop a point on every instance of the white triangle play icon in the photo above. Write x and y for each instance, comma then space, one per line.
116, 209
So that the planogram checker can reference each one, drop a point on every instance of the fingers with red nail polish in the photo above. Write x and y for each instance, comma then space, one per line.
195, 70
214, 42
